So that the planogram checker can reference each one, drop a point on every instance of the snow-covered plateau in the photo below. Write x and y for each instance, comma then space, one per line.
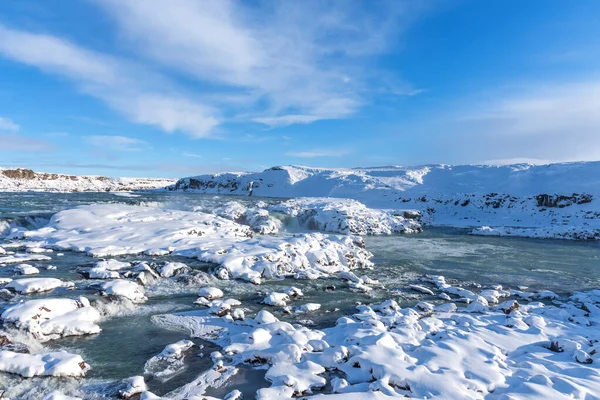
26, 180
177, 296
553, 201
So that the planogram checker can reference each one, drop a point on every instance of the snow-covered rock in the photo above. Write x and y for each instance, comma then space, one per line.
210, 293
36, 285
136, 229
53, 318
60, 364
26, 269
135, 386
123, 288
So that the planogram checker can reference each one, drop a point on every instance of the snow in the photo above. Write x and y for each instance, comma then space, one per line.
116, 229
26, 269
24, 180
169, 362
345, 216
259, 220
123, 288
36, 285
555, 200
20, 258
135, 385
60, 364
532, 351
210, 293
172, 268
51, 318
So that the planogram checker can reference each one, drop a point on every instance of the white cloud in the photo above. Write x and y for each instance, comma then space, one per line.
287, 62
117, 143
534, 123
138, 94
8, 125
192, 155
319, 153
16, 142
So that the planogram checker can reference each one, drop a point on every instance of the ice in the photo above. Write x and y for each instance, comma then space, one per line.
61, 364
169, 362
36, 285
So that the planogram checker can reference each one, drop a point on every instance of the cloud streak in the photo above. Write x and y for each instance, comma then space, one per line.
117, 143
8, 125
17, 142
319, 153
127, 88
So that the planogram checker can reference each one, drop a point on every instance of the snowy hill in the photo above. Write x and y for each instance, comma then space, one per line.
23, 180
555, 200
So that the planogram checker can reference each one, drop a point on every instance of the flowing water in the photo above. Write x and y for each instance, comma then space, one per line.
130, 337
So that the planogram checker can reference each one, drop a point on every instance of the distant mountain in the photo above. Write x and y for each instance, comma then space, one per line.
24, 180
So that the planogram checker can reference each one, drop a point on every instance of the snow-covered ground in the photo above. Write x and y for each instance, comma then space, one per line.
24, 180
555, 200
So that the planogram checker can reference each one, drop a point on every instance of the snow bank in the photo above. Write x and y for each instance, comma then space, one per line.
53, 318
346, 216
24, 180
111, 229
519, 196
36, 285
59, 364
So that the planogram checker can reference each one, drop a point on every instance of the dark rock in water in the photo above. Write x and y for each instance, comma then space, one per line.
330, 288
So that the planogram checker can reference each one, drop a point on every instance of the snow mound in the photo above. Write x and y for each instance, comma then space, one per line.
36, 285
122, 288
60, 364
48, 319
110, 229
259, 220
346, 216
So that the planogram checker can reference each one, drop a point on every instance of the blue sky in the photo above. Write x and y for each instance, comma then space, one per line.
173, 88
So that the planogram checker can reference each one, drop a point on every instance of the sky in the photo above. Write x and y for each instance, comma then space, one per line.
176, 88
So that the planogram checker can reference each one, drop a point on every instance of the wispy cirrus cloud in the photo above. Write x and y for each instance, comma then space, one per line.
117, 143
302, 61
18, 142
271, 63
7, 124
536, 123
191, 155
138, 94
314, 153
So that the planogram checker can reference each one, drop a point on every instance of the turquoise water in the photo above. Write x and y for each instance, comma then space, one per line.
129, 337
